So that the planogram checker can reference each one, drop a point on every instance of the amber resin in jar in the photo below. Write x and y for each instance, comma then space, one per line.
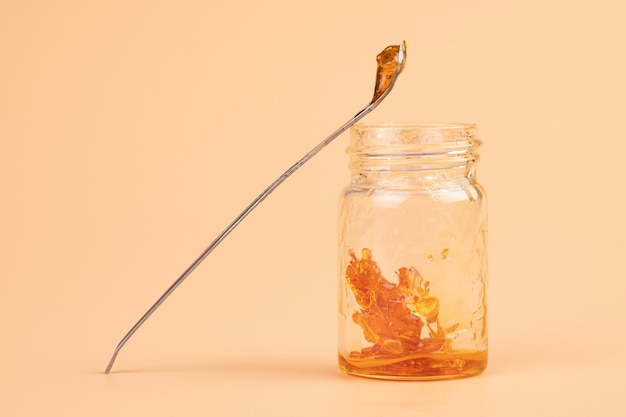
412, 254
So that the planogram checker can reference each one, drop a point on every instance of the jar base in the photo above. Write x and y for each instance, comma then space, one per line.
419, 367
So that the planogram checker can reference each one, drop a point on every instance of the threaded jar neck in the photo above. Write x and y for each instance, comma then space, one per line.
399, 155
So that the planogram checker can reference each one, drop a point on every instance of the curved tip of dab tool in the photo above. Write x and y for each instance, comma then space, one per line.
391, 62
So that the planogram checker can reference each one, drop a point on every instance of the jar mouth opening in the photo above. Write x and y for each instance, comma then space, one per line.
412, 138
411, 125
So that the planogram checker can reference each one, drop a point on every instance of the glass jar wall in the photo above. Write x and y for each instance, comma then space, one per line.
412, 254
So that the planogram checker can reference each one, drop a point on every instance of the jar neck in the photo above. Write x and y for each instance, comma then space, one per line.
413, 156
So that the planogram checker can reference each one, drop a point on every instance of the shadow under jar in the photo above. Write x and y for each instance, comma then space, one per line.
412, 254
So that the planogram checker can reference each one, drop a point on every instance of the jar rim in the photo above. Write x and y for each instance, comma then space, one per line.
408, 125
412, 137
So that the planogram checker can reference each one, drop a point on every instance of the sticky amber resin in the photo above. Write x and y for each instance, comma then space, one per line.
387, 62
442, 365
401, 321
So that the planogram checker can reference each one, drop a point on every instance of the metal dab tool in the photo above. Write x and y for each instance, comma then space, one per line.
391, 62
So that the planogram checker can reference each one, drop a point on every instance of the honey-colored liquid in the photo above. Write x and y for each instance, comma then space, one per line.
400, 322
441, 365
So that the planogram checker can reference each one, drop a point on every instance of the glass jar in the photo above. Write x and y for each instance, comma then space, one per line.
412, 254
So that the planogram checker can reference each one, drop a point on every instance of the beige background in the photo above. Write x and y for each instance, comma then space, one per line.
133, 132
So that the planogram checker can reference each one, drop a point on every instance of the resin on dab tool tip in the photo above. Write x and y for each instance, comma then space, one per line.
390, 63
